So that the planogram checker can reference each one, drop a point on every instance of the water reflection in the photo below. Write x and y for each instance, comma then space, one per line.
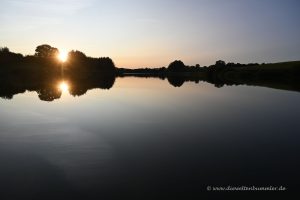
145, 140
63, 87
50, 87
49, 93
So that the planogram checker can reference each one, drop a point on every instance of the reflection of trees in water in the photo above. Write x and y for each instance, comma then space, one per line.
176, 81
7, 92
47, 88
76, 90
49, 94
81, 86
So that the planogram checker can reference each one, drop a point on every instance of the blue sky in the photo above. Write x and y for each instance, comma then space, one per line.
152, 33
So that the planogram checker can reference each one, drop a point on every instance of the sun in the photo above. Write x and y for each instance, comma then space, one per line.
63, 56
63, 87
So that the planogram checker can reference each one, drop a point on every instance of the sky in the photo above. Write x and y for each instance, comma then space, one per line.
153, 33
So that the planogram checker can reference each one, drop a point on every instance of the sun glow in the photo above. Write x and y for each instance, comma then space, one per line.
63, 56
63, 87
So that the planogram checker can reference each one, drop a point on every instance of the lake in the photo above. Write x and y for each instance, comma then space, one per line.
146, 139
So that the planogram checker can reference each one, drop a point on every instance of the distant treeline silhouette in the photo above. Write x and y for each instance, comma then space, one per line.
42, 72
278, 75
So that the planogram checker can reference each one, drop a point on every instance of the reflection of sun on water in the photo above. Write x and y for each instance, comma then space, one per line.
63, 87
63, 56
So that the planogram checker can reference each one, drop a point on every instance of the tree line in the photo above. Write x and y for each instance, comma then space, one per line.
40, 72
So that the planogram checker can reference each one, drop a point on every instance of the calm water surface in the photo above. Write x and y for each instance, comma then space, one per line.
144, 138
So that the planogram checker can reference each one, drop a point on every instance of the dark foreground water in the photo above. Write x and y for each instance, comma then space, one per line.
145, 139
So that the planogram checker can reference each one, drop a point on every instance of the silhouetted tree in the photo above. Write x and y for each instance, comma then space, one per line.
106, 64
4, 50
46, 51
220, 63
7, 57
176, 66
76, 55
